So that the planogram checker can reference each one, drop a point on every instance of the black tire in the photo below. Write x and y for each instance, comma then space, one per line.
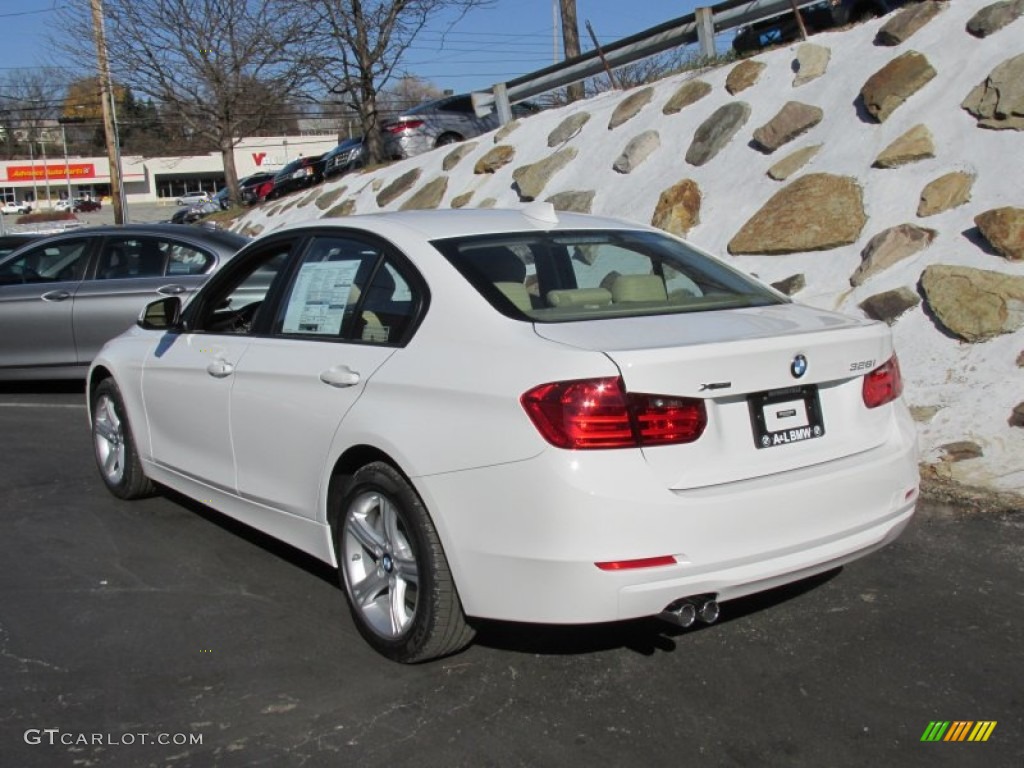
397, 582
113, 445
447, 138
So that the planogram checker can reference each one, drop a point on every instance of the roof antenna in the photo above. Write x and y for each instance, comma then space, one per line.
541, 211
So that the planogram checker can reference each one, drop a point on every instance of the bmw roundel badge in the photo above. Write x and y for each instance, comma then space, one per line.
798, 367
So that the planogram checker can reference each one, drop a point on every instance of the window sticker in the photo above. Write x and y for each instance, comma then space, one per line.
319, 298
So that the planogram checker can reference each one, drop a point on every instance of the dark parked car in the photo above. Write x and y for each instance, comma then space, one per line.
62, 297
824, 15
347, 156
298, 174
440, 122
251, 186
83, 205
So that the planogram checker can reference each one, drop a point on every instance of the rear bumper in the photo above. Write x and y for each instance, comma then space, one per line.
522, 539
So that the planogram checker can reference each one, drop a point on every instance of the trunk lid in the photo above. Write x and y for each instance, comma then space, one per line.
763, 418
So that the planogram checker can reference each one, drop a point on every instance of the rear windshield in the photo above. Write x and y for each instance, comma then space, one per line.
578, 275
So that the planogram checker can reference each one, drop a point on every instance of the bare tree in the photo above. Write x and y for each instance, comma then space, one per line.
29, 104
362, 43
210, 62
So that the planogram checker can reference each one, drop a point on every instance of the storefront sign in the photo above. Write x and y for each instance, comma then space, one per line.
40, 172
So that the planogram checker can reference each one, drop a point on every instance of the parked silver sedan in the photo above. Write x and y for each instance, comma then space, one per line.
62, 297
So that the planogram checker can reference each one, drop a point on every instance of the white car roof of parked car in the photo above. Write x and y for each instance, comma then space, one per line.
436, 224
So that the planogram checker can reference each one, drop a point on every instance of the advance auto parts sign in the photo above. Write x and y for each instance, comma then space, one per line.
41, 172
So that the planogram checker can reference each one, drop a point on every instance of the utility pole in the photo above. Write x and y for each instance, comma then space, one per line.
106, 97
571, 44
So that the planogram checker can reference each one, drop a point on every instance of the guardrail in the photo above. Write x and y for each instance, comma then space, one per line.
697, 27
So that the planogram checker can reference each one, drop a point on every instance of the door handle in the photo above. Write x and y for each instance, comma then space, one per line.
56, 296
171, 290
340, 376
219, 369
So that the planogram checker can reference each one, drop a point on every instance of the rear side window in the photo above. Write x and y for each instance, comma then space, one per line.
346, 288
565, 276
145, 256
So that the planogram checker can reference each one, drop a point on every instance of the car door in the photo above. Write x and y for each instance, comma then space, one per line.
187, 379
348, 307
37, 290
131, 271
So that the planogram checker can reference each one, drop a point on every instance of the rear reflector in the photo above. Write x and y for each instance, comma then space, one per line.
883, 385
643, 562
599, 413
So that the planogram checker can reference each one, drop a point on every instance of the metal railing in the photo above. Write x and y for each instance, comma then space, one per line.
697, 27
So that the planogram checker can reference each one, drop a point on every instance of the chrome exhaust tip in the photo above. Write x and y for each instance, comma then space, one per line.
682, 615
708, 611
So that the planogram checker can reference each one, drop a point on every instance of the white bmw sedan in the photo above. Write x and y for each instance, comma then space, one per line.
515, 415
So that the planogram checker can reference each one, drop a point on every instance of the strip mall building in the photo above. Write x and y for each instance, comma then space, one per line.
149, 179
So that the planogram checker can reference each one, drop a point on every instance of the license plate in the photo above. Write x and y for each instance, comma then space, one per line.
785, 416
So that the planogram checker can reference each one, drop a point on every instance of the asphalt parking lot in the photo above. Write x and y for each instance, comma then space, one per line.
159, 633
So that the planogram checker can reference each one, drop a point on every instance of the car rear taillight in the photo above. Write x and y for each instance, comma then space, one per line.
884, 384
402, 125
599, 413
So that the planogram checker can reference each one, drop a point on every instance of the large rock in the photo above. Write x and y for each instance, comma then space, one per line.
894, 83
793, 162
531, 179
639, 149
992, 18
998, 102
495, 158
454, 157
461, 201
688, 93
326, 200
814, 213
789, 122
630, 106
916, 144
889, 306
717, 131
344, 208
945, 192
744, 75
905, 23
678, 208
428, 196
1004, 230
568, 128
398, 187
811, 63
890, 247
576, 201
791, 285
974, 304
1017, 416
505, 131
488, 202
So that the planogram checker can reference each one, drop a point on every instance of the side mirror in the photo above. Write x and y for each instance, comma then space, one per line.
161, 315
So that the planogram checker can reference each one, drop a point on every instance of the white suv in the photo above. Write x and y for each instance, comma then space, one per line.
13, 207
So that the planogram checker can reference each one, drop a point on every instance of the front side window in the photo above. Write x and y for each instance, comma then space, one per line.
231, 305
565, 276
60, 262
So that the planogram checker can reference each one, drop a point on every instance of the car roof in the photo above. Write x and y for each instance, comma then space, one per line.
439, 224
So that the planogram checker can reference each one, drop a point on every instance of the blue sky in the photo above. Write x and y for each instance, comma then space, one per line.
487, 46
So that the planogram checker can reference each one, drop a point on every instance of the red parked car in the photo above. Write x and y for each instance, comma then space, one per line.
84, 206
